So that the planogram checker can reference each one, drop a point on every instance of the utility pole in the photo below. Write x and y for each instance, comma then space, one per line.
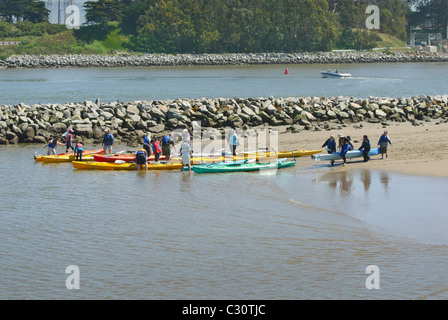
59, 12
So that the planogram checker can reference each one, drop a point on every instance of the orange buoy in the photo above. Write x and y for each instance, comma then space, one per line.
286, 71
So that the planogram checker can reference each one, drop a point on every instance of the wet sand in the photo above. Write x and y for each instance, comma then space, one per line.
417, 150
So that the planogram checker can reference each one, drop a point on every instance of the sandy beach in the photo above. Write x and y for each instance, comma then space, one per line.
417, 150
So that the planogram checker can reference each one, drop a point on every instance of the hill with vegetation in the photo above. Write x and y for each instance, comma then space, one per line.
209, 26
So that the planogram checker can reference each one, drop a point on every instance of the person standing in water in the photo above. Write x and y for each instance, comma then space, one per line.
185, 151
108, 141
52, 146
233, 142
69, 140
79, 149
141, 158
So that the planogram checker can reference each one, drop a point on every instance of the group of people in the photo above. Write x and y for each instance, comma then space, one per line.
345, 144
163, 147
71, 143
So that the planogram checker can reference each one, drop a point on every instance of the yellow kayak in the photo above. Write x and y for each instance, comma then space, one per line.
69, 157
123, 166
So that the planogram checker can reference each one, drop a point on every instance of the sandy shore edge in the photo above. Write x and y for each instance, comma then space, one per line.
416, 150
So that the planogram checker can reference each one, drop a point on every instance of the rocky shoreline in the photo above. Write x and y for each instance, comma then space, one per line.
149, 60
130, 121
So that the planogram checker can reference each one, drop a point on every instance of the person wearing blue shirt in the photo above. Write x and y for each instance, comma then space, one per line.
331, 146
382, 142
233, 142
108, 141
52, 146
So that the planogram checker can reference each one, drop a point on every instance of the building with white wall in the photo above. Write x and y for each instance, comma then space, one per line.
58, 12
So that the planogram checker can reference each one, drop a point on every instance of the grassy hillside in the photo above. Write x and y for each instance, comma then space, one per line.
95, 40
388, 41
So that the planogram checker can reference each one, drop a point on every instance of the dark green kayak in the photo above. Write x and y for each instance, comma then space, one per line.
245, 167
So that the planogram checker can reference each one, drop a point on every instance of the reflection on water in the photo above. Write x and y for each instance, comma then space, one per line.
171, 235
410, 207
344, 180
366, 179
384, 178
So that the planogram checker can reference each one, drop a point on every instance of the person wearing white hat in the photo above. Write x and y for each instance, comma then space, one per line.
108, 141
382, 142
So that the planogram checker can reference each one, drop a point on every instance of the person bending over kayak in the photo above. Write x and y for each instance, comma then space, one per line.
78, 151
141, 158
365, 147
52, 146
344, 145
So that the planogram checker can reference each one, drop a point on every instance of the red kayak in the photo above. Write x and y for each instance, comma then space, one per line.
127, 157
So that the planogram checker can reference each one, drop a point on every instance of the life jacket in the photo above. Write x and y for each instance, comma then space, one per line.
52, 144
108, 138
156, 147
146, 140
331, 145
383, 138
78, 148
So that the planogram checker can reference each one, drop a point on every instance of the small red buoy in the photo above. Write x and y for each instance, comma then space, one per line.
286, 71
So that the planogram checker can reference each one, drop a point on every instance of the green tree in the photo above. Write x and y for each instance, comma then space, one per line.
103, 11
27, 10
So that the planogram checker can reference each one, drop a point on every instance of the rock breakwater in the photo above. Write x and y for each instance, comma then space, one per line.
130, 121
148, 60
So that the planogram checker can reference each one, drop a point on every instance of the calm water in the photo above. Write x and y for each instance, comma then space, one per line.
70, 85
303, 233
298, 234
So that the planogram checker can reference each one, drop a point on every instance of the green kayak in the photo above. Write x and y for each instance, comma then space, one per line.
244, 167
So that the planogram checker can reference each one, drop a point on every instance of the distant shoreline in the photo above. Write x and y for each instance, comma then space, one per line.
149, 60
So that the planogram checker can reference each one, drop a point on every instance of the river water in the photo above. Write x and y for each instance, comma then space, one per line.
32, 86
308, 232
299, 233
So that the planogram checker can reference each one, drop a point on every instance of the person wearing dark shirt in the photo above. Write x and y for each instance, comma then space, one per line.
344, 145
365, 147
331, 146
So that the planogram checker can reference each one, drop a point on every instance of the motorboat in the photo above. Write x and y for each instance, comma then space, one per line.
334, 74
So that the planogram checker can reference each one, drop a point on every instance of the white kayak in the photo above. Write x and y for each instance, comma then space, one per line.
348, 155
